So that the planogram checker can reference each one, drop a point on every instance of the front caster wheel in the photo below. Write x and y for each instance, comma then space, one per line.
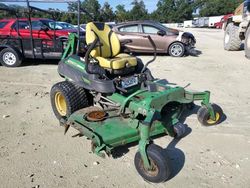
204, 116
159, 171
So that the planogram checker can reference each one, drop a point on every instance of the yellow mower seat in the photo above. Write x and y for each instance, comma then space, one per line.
118, 62
108, 54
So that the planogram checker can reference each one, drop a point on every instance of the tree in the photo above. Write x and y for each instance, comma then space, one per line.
154, 16
138, 11
167, 11
173, 10
217, 7
5, 14
184, 11
121, 13
107, 13
92, 6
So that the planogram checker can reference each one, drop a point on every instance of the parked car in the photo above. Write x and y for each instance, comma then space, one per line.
83, 27
110, 24
15, 43
167, 40
219, 25
65, 25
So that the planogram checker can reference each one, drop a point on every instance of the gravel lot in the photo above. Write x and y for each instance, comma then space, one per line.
35, 153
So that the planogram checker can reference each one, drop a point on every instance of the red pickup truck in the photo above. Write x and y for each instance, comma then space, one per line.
219, 25
16, 44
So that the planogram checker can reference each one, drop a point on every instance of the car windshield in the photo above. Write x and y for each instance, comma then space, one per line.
2, 24
162, 27
49, 23
65, 25
166, 29
57, 25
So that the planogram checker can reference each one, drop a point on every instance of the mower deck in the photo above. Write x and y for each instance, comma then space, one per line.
119, 127
115, 130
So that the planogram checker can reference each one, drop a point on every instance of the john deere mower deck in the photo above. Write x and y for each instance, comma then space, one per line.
114, 100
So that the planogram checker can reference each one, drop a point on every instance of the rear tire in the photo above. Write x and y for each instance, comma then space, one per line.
10, 58
177, 49
66, 98
232, 41
247, 44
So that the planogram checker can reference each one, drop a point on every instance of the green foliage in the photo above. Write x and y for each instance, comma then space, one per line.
139, 11
217, 7
107, 13
173, 11
121, 14
167, 11
92, 6
5, 14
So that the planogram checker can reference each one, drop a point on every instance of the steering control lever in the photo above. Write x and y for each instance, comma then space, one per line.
155, 53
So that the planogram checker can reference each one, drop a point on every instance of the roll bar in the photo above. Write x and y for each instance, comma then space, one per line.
31, 8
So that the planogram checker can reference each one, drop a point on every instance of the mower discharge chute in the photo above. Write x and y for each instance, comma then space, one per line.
113, 99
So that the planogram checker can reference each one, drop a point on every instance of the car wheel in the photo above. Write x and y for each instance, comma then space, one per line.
10, 58
176, 49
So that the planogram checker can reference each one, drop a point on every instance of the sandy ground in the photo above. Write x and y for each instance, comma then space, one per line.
35, 153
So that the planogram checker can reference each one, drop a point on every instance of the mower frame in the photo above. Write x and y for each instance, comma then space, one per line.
137, 130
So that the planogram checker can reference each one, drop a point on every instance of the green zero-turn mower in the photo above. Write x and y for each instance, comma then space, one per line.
112, 99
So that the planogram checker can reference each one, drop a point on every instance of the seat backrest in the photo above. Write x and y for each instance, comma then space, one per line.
109, 40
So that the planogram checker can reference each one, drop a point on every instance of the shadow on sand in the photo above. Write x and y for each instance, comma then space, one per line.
36, 62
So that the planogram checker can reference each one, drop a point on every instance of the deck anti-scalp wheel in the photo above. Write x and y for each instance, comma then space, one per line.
66, 98
179, 129
204, 116
160, 171
190, 106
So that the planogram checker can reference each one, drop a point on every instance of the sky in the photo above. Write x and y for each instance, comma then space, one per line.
150, 4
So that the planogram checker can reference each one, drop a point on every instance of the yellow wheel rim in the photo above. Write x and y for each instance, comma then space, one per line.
60, 103
212, 122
